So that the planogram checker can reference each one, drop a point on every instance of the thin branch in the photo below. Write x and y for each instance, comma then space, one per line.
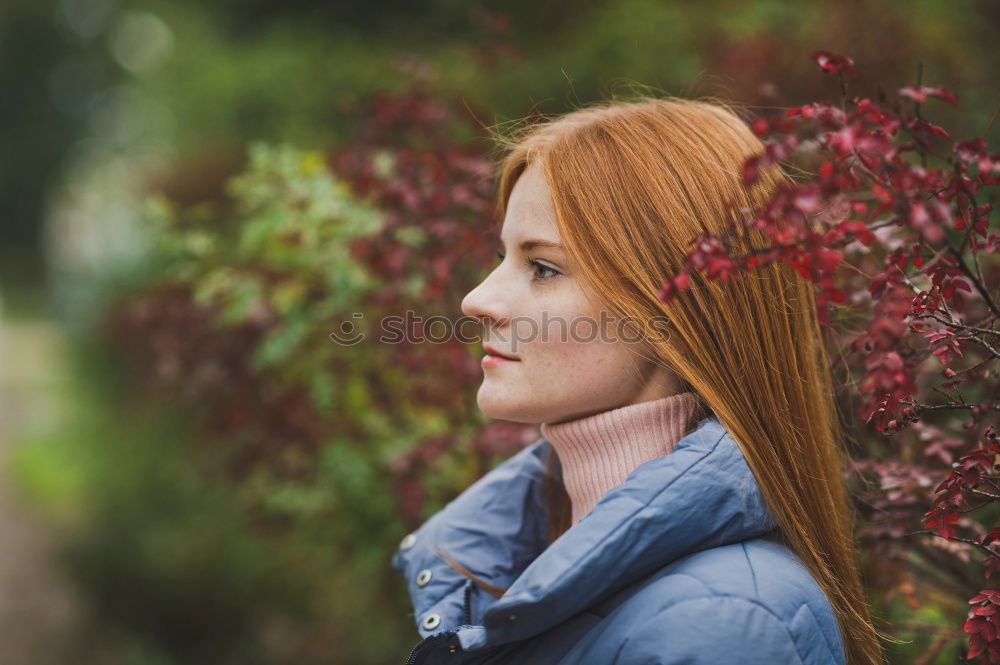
972, 368
991, 497
975, 508
989, 319
989, 125
974, 206
957, 539
946, 406
983, 343
975, 280
953, 324
916, 110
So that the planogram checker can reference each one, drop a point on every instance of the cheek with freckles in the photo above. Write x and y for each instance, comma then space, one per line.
578, 377
567, 367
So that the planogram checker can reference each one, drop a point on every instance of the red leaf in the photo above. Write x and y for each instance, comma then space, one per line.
833, 62
976, 646
985, 594
829, 259
919, 95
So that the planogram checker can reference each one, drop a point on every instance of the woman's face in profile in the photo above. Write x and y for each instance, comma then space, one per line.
566, 359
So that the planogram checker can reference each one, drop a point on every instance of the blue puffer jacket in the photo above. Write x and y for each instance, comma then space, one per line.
680, 564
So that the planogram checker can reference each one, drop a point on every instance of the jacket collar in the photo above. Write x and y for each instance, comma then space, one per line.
701, 495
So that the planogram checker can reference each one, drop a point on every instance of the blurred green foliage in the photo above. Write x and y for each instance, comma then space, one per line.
178, 568
294, 221
232, 551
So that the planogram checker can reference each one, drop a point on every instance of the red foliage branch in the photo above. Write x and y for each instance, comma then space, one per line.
924, 234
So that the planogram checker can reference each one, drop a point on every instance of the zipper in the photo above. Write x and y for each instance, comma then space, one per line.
453, 648
468, 603
413, 652
432, 639
412, 658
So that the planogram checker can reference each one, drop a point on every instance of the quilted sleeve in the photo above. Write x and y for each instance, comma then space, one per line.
708, 631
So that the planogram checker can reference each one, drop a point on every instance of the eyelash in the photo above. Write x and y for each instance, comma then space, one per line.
536, 265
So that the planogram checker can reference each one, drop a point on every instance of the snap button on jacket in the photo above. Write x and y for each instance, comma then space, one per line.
681, 564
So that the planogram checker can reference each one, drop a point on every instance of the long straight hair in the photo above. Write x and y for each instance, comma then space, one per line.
632, 183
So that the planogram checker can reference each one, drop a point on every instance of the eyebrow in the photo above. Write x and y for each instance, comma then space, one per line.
531, 244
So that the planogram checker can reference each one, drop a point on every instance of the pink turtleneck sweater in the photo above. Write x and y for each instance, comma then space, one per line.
598, 452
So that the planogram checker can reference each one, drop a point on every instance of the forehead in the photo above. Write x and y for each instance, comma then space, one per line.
529, 209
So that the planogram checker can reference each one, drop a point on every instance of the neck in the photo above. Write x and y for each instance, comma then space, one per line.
598, 452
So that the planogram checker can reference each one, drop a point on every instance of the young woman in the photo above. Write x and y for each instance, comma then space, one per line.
684, 504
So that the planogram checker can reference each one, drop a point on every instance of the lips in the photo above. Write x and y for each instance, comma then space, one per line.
496, 352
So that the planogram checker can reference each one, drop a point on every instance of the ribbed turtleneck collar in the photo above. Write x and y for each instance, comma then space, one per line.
598, 452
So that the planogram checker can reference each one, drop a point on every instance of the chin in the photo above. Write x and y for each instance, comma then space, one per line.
499, 406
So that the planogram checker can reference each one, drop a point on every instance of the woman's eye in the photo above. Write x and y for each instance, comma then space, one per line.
541, 267
540, 270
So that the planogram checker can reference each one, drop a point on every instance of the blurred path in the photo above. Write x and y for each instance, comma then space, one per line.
38, 612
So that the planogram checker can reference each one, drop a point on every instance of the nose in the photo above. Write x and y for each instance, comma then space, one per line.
487, 303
